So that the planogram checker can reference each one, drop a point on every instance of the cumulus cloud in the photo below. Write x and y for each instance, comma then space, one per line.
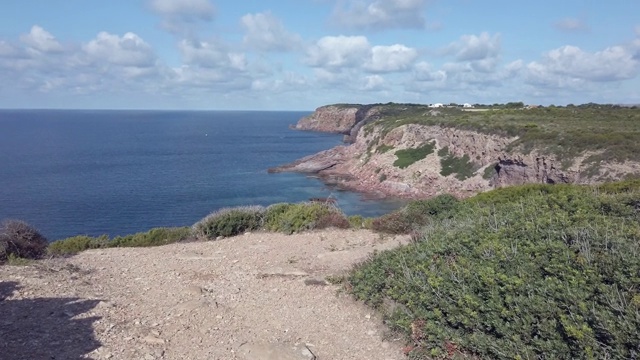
570, 64
211, 55
265, 32
373, 83
391, 58
41, 40
338, 51
571, 24
380, 14
474, 47
423, 71
126, 50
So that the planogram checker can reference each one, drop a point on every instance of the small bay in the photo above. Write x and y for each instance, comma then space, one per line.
71, 172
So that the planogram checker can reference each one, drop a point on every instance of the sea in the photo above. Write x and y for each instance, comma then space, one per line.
94, 172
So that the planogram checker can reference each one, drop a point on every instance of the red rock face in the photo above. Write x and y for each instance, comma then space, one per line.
334, 118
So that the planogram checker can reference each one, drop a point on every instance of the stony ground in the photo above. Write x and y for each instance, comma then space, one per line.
258, 296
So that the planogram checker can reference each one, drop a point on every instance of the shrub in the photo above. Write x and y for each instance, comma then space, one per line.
19, 239
334, 219
153, 237
415, 215
406, 157
462, 167
229, 222
356, 221
553, 274
76, 244
293, 218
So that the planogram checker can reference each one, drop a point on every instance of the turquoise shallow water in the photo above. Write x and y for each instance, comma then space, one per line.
71, 172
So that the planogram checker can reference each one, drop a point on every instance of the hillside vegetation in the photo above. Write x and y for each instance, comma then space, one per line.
610, 132
535, 271
538, 271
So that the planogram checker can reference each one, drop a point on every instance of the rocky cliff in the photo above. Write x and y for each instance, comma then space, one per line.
339, 119
390, 156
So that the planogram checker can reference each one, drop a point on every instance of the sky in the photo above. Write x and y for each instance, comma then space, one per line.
302, 54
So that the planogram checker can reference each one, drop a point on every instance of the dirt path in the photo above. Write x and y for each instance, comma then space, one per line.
258, 296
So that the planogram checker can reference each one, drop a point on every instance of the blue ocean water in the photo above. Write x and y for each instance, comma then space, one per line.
70, 172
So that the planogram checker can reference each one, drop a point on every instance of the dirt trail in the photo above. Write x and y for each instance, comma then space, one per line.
259, 296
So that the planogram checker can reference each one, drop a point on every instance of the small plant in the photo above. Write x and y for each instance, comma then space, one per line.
229, 222
76, 244
292, 218
416, 214
21, 240
153, 237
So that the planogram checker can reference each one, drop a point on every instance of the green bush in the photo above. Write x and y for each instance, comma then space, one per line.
415, 215
153, 237
230, 222
462, 167
76, 244
293, 218
407, 157
357, 222
20, 240
551, 273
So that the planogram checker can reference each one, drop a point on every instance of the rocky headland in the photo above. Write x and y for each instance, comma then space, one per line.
451, 151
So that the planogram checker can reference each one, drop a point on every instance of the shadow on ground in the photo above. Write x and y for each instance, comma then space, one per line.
44, 328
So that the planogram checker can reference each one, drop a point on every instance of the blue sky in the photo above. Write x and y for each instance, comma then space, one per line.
301, 54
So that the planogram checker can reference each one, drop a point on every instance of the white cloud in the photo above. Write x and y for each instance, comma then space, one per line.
211, 55
474, 47
128, 50
380, 14
391, 58
374, 82
571, 24
188, 10
265, 32
423, 71
570, 64
41, 40
338, 51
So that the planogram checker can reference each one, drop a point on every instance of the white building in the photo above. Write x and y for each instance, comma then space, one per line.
437, 105
467, 106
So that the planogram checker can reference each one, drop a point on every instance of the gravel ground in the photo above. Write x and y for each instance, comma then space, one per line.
259, 296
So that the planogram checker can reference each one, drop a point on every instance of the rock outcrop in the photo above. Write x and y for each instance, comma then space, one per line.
462, 162
339, 119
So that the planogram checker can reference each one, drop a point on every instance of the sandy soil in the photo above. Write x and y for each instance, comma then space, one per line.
259, 296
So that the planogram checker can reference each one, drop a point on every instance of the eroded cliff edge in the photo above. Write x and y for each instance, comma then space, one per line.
414, 151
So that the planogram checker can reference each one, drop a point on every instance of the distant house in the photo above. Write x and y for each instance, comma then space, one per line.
437, 105
467, 105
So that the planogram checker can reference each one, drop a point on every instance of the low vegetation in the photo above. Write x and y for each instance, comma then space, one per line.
415, 215
534, 271
292, 218
537, 271
20, 240
462, 167
406, 157
610, 132
286, 218
153, 237
229, 222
